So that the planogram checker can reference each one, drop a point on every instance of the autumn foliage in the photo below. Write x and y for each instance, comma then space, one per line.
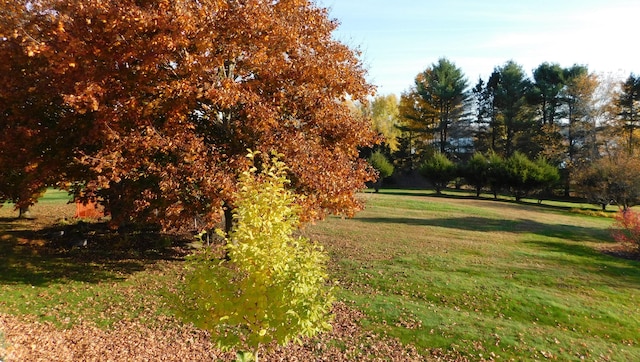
626, 228
149, 106
274, 286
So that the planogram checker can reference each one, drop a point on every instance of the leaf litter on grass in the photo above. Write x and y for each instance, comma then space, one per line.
532, 279
169, 340
86, 304
453, 316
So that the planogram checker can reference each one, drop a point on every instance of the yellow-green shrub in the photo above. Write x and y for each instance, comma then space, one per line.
273, 287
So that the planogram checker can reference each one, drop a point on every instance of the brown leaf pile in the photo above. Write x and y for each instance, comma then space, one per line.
127, 341
172, 341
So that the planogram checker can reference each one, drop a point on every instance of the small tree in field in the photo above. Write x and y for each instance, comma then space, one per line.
626, 228
612, 180
519, 169
545, 177
525, 176
439, 170
383, 166
476, 172
496, 173
273, 285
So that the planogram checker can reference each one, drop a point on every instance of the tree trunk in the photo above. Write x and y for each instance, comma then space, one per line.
228, 225
228, 218
23, 212
378, 184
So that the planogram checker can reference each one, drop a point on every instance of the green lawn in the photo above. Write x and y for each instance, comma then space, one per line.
66, 284
487, 278
55, 196
51, 196
478, 278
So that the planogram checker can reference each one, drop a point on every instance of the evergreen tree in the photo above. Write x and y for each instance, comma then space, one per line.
439, 170
629, 109
444, 87
489, 128
514, 110
381, 164
548, 83
578, 94
476, 172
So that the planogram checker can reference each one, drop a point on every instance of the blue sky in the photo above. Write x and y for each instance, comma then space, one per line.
401, 38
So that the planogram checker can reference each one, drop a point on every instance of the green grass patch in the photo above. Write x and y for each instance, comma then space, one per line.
71, 287
474, 277
487, 278
55, 196
51, 196
45, 276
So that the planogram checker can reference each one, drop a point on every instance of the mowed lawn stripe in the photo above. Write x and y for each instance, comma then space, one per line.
485, 278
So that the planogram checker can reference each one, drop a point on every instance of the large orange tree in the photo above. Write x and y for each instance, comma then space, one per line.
150, 106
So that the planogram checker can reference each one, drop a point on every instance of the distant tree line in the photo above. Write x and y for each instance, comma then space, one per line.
516, 175
581, 124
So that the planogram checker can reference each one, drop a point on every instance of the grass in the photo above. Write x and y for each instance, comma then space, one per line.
47, 278
51, 196
70, 287
473, 277
487, 278
55, 196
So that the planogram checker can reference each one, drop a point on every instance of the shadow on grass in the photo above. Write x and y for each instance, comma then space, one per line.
569, 232
406, 192
623, 269
462, 195
83, 252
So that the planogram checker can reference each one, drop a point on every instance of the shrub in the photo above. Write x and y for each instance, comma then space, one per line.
382, 165
525, 176
439, 170
273, 285
476, 172
626, 228
611, 180
547, 175
496, 174
519, 169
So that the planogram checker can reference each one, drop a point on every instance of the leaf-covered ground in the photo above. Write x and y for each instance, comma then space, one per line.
171, 341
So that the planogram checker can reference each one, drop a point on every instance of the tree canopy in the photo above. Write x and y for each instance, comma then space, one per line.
628, 103
150, 106
384, 113
443, 87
